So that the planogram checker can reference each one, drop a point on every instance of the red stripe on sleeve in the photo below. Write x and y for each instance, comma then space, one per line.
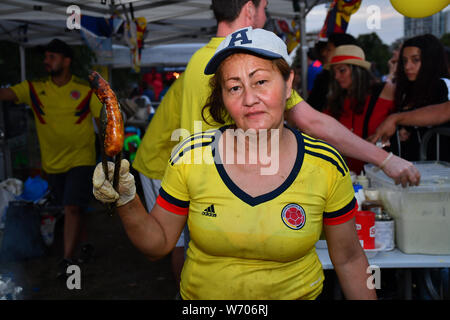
171, 207
341, 219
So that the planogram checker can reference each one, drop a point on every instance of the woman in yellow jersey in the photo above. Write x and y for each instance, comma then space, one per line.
255, 195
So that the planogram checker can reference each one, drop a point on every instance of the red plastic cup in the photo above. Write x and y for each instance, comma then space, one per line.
365, 227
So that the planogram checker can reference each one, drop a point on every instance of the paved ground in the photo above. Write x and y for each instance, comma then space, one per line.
118, 271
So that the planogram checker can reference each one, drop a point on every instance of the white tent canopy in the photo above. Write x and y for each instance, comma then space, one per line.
160, 55
32, 22
169, 21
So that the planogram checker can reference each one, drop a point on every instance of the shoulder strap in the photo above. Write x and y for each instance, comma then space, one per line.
373, 100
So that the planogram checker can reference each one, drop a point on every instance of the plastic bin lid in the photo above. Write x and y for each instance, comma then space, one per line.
434, 176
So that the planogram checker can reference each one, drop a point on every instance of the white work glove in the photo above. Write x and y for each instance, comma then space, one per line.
103, 189
403, 172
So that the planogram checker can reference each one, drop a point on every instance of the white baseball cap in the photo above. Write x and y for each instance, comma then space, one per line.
248, 40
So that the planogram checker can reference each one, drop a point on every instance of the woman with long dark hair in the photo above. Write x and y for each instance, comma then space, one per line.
355, 98
421, 80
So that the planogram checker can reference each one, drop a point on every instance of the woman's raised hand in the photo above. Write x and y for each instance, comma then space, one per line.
103, 189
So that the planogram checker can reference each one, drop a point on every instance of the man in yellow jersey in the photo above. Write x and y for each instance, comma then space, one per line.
179, 113
63, 107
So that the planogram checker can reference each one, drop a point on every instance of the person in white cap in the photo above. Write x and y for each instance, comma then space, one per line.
180, 111
253, 223
355, 99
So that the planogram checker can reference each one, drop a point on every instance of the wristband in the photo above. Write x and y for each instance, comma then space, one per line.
385, 161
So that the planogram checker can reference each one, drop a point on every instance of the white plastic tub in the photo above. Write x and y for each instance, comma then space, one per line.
421, 213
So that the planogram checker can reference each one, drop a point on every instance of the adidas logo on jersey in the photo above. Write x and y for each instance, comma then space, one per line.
209, 211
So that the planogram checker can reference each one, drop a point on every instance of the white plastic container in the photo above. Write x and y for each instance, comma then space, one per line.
421, 213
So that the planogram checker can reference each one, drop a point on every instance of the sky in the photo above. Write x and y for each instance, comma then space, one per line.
391, 22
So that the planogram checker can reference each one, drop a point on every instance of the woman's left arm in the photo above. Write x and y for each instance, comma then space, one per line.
349, 260
388, 92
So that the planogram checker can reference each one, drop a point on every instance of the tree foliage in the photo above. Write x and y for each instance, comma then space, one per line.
376, 52
445, 39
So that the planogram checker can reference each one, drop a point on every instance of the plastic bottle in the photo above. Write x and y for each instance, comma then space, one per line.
373, 203
375, 206
363, 180
47, 229
359, 195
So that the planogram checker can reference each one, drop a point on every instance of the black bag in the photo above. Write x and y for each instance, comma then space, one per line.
373, 100
22, 237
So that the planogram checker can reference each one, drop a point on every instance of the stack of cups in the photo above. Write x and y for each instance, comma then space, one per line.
365, 227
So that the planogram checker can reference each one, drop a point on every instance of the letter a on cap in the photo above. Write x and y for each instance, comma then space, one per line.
240, 35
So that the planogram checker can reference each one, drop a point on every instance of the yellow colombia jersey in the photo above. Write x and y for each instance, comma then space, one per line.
180, 109
63, 117
245, 247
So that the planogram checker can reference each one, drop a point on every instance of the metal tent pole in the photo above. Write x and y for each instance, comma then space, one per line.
22, 63
304, 48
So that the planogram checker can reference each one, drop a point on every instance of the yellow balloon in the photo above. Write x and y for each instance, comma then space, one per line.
419, 8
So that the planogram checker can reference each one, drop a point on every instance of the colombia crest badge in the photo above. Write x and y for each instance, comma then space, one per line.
75, 94
293, 216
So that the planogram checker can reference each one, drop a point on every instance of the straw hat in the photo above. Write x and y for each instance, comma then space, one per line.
349, 54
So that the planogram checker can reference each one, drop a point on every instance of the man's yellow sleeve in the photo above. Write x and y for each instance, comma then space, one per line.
22, 91
293, 100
